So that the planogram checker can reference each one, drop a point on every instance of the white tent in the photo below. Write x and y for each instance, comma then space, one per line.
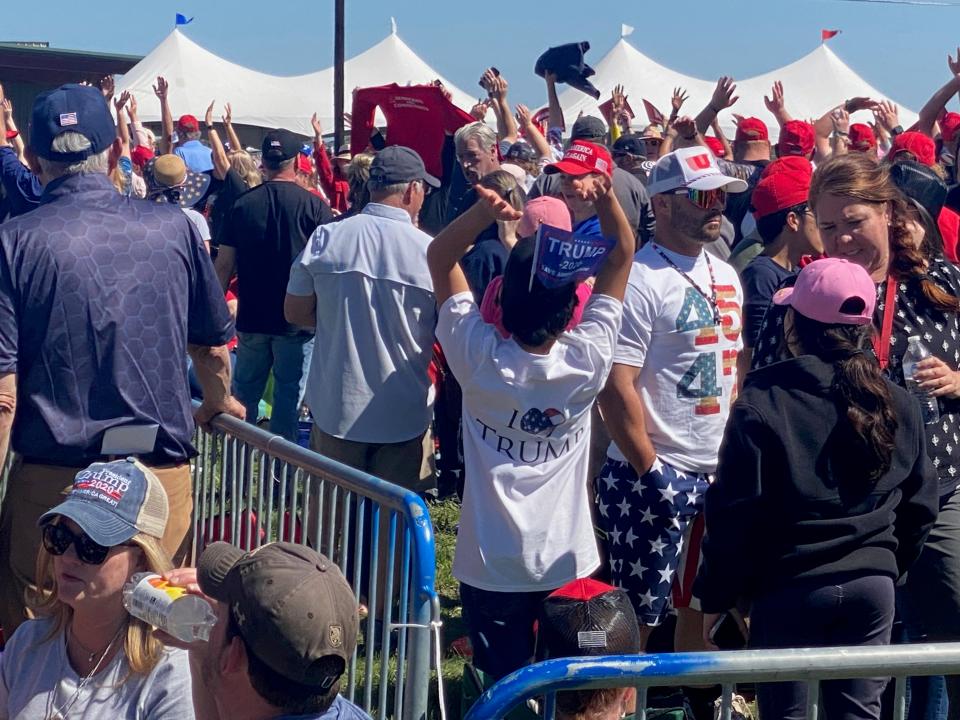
812, 85
197, 76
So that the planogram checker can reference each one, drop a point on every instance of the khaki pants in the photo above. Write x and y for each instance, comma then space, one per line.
31, 491
409, 464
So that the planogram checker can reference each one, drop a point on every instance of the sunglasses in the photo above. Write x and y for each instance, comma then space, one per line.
57, 538
704, 199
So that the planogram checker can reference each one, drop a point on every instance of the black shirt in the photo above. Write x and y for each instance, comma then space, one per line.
760, 280
940, 333
230, 188
269, 227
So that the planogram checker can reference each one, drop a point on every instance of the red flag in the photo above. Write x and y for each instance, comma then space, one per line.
827, 34
653, 115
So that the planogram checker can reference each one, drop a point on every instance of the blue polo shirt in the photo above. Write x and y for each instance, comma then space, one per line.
99, 296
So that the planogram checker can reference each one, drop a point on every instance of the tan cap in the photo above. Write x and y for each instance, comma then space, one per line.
292, 606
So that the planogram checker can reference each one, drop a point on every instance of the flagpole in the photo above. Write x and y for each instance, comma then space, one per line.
338, 33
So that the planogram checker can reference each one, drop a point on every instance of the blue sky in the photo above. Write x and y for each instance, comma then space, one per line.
899, 49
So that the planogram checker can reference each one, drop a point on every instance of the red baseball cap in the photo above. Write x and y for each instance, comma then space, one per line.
583, 158
752, 128
796, 138
862, 138
715, 145
188, 123
917, 144
141, 155
949, 126
785, 182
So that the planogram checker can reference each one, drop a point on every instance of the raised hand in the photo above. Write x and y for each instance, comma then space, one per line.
619, 99
120, 102
443, 89
479, 111
887, 115
524, 116
498, 89
208, 115
686, 127
954, 63
841, 121
592, 187
859, 103
723, 94
161, 88
678, 99
495, 206
775, 102
107, 86
132, 108
315, 123
227, 114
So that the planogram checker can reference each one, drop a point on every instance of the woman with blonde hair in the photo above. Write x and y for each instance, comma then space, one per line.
85, 656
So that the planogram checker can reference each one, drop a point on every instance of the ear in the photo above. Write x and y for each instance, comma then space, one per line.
794, 220
408, 193
233, 659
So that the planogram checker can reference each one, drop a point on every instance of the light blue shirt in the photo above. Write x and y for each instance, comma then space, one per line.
197, 156
376, 313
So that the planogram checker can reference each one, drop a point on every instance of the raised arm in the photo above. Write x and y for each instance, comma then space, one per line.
556, 113
935, 105
123, 131
221, 163
721, 136
612, 277
506, 125
6, 110
776, 105
166, 118
324, 166
677, 100
532, 132
723, 97
232, 137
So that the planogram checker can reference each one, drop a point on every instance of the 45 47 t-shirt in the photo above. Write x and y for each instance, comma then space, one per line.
688, 375
525, 523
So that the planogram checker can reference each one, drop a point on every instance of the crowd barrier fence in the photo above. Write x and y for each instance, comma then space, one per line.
809, 665
251, 487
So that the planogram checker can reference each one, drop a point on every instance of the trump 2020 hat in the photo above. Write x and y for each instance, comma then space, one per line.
692, 167
399, 164
112, 502
292, 606
71, 108
832, 291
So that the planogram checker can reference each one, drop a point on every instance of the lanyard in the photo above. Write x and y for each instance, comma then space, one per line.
712, 297
882, 344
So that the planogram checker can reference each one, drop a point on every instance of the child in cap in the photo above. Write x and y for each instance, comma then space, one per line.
526, 527
84, 655
824, 491
588, 618
581, 158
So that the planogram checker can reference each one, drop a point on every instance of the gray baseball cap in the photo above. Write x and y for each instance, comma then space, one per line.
398, 164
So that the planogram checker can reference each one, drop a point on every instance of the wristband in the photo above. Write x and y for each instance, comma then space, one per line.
209, 128
896, 131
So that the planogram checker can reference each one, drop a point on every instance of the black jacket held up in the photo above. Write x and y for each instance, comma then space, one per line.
788, 505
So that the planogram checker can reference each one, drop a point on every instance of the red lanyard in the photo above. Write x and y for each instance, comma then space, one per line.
882, 344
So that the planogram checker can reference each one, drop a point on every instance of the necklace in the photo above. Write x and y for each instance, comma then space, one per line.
712, 297
60, 713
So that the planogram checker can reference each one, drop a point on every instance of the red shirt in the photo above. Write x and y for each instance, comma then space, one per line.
231, 294
949, 224
418, 117
332, 181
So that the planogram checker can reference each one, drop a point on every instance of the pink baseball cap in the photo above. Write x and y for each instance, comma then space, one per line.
547, 210
832, 291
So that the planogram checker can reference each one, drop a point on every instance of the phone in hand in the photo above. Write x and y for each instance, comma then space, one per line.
726, 633
483, 84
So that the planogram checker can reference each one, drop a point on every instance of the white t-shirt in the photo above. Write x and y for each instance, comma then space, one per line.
199, 222
688, 376
36, 679
525, 523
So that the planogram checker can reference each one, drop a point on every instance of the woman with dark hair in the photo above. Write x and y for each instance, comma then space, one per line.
873, 219
823, 459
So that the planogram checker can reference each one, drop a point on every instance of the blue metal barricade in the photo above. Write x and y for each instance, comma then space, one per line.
810, 665
251, 487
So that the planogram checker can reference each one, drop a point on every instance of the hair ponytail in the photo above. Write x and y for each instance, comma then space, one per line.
861, 391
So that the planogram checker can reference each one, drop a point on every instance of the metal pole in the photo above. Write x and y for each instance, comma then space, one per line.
338, 98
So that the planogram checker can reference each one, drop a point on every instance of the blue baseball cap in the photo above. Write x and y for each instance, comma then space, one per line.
71, 108
112, 502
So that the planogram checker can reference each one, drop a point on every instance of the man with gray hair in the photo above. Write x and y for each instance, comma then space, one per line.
101, 297
363, 285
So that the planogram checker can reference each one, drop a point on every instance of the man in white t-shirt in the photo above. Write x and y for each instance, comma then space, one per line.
669, 393
526, 527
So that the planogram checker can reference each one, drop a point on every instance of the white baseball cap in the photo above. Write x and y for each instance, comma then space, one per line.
692, 167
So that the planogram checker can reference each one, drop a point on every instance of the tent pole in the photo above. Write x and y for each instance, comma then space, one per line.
338, 35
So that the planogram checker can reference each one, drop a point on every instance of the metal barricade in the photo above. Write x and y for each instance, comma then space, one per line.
251, 487
810, 665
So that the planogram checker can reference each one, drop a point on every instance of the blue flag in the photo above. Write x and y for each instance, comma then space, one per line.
182, 20
562, 257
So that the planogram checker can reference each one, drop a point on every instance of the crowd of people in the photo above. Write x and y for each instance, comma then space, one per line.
739, 431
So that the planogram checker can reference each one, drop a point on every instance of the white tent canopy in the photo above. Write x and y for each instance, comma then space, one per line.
197, 76
812, 85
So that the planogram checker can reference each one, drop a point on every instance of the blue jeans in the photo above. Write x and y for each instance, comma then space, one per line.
289, 358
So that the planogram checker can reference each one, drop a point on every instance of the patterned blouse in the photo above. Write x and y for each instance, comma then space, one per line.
940, 332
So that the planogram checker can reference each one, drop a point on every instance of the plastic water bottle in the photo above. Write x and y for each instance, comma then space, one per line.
150, 598
915, 353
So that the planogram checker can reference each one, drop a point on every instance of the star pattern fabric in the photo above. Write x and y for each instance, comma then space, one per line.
939, 332
644, 520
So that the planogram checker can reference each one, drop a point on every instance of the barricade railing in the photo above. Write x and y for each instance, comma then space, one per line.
251, 487
809, 665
